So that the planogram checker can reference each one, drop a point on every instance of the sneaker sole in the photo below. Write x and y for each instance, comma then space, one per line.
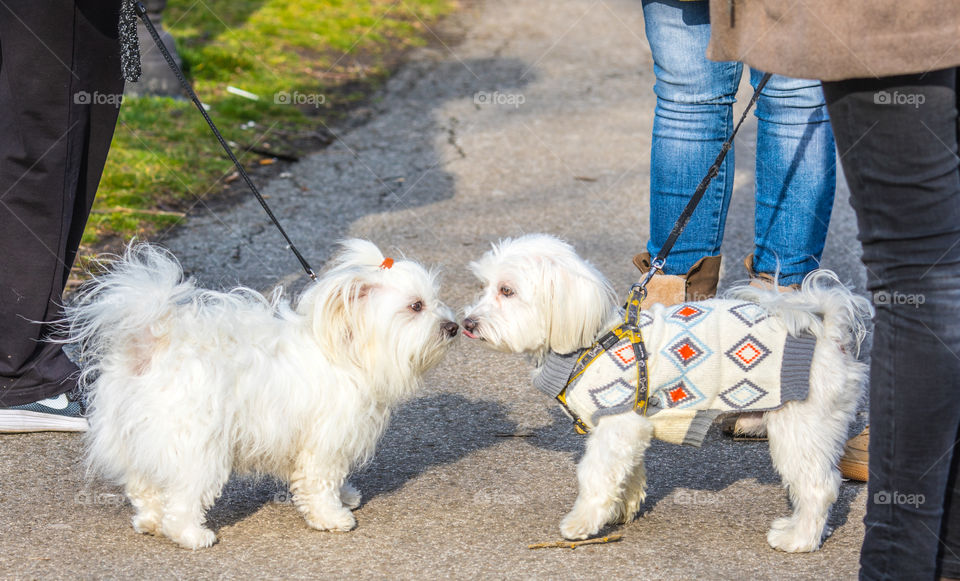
21, 421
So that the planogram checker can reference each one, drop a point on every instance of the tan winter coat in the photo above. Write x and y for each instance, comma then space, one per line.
836, 39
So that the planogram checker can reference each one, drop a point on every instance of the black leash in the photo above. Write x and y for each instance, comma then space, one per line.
142, 13
657, 263
638, 291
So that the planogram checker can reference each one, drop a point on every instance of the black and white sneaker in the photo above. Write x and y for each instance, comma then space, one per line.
61, 413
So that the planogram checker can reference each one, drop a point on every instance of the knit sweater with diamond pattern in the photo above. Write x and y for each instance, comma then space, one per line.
705, 359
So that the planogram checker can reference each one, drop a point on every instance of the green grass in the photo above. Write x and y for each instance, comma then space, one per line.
164, 157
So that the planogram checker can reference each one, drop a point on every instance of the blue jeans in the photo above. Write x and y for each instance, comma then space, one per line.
795, 161
900, 135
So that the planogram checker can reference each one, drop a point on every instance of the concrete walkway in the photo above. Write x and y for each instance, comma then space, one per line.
537, 120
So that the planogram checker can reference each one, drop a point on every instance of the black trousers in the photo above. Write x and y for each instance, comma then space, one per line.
897, 138
60, 87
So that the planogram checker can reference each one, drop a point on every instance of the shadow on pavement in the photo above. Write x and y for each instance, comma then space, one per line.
429, 432
425, 433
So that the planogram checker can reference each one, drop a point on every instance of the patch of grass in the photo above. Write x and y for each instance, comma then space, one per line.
329, 55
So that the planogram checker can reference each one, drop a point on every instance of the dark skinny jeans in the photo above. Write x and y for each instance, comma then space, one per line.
897, 138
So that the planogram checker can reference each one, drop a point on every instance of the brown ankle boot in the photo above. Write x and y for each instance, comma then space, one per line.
699, 284
764, 280
855, 460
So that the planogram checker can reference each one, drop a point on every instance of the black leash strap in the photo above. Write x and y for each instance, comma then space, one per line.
657, 263
142, 13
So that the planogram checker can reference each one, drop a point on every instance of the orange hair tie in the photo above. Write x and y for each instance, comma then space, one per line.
387, 263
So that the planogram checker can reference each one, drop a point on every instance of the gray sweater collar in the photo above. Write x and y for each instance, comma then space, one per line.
553, 374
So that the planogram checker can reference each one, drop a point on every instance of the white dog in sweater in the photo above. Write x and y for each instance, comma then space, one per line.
789, 354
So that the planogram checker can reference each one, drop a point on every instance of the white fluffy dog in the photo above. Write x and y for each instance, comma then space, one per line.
540, 298
187, 385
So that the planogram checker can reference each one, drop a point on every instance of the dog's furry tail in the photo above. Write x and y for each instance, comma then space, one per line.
823, 306
124, 305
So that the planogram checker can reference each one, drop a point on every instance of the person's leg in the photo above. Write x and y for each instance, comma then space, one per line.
694, 116
898, 144
55, 59
795, 177
948, 560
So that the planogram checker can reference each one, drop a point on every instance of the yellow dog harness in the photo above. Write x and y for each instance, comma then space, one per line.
625, 336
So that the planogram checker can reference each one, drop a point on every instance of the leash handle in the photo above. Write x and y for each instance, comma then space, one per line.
657, 263
141, 11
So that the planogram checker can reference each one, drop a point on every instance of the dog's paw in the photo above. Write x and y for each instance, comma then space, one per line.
627, 511
194, 537
341, 520
631, 505
578, 526
350, 496
147, 523
785, 535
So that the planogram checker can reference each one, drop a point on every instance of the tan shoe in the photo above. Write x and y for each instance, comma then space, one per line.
699, 284
764, 280
854, 464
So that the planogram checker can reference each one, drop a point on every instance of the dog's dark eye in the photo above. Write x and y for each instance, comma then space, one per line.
506, 291
417, 306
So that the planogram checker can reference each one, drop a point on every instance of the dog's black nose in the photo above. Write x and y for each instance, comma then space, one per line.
469, 325
450, 328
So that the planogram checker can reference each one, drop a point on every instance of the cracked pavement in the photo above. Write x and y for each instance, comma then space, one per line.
479, 464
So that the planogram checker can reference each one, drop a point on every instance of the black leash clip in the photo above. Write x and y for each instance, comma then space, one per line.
656, 265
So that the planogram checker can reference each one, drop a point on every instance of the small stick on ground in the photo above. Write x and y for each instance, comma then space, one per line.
575, 544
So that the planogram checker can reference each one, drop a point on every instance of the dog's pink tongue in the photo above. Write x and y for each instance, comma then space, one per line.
469, 334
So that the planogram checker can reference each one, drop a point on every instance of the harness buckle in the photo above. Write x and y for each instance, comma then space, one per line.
609, 340
640, 349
